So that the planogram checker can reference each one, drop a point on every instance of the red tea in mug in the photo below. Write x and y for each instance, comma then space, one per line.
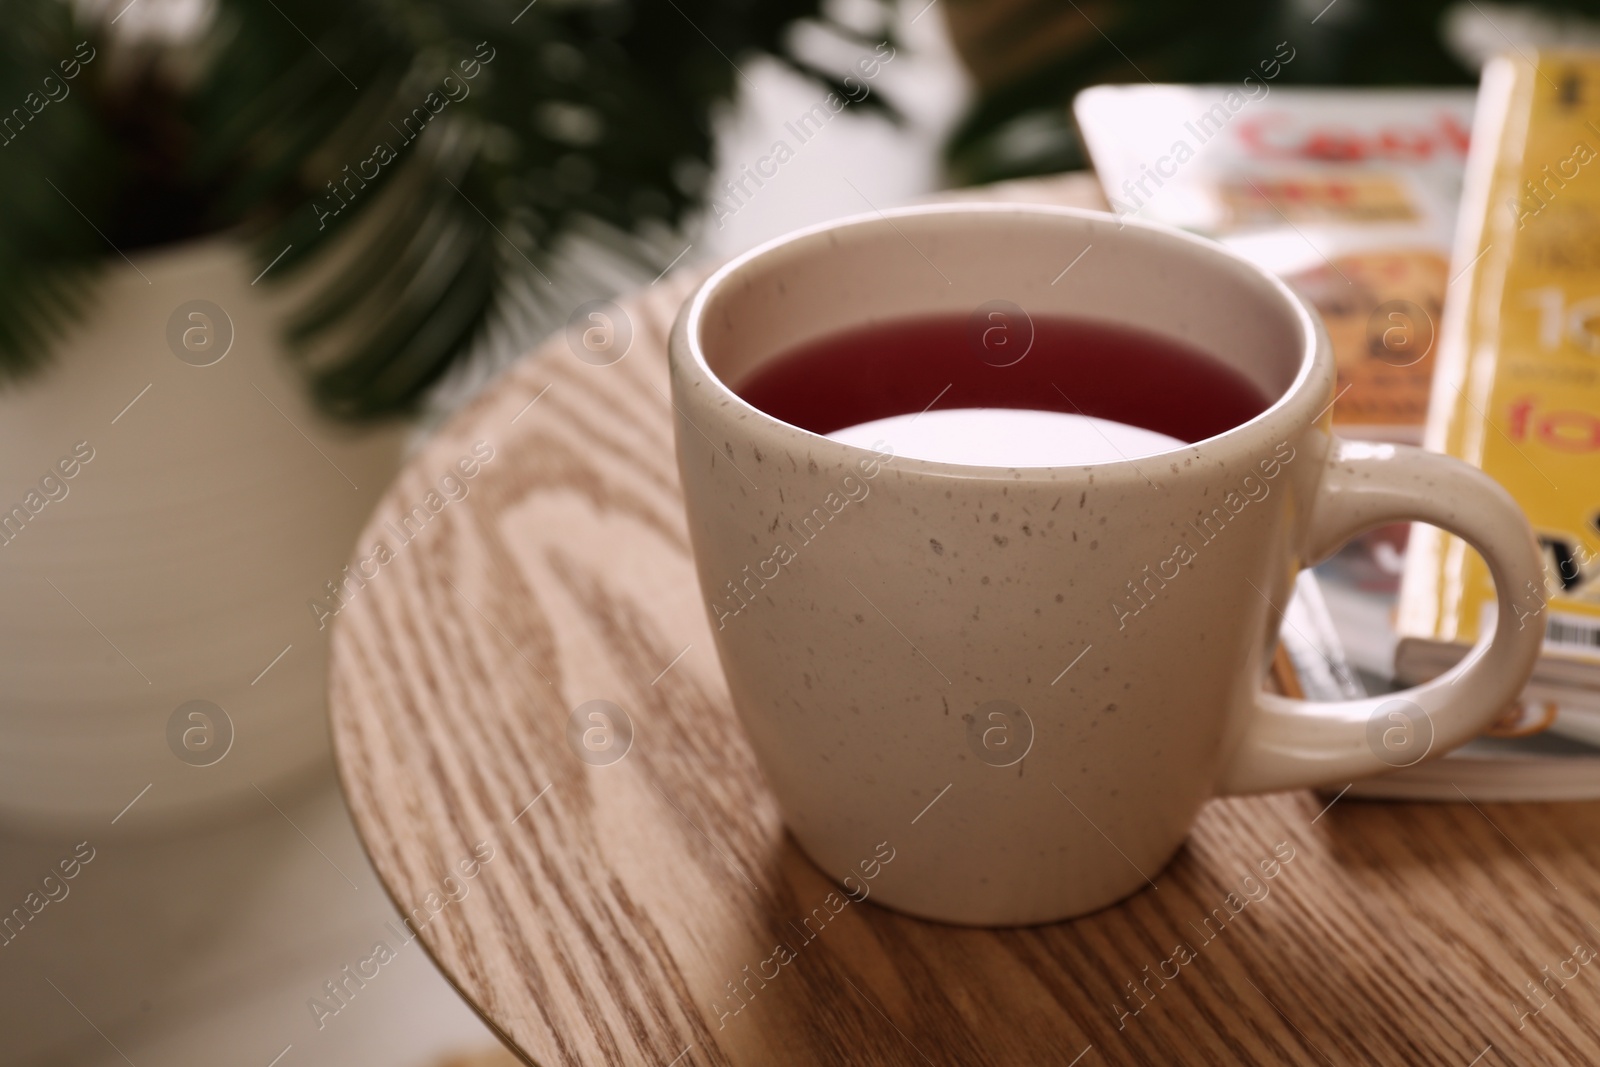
1002, 388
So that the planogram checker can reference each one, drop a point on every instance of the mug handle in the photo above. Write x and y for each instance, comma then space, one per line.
1291, 744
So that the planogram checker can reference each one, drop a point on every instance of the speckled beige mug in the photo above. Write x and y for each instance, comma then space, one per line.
1014, 682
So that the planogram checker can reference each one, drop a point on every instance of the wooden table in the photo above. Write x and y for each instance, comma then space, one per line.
629, 910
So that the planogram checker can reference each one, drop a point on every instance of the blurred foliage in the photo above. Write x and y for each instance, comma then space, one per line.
458, 142
331, 130
1031, 57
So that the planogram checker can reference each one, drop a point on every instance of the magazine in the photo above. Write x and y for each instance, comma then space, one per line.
1352, 196
1518, 389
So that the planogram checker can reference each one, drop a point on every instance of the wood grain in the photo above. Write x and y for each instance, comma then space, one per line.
623, 904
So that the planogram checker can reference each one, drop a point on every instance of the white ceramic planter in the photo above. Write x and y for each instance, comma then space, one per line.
176, 563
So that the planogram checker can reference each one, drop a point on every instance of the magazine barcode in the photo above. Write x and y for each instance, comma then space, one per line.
1573, 632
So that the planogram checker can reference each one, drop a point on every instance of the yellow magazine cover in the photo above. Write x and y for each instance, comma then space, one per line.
1517, 388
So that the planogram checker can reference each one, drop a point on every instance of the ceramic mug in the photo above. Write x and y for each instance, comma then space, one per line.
1014, 681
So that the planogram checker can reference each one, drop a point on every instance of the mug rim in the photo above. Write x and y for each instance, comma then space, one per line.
1314, 346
